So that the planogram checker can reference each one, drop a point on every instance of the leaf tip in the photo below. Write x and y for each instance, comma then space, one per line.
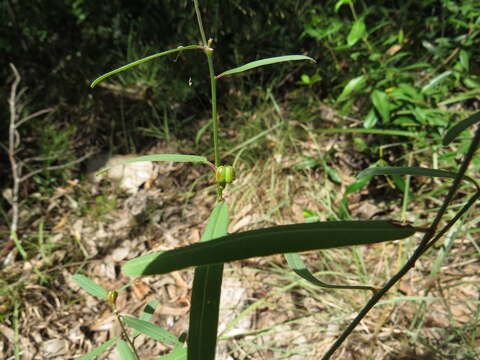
100, 172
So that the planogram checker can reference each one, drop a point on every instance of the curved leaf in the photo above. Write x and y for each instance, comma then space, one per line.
296, 264
158, 157
264, 242
264, 62
357, 32
416, 171
454, 131
98, 350
206, 290
340, 3
353, 85
151, 330
90, 286
381, 103
145, 59
435, 81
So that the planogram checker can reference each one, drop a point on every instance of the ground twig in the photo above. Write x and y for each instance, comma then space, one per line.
16, 165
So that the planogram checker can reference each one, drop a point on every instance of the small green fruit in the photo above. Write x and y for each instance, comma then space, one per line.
112, 297
225, 175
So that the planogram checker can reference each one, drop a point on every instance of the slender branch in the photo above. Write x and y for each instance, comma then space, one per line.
34, 115
124, 331
13, 161
213, 89
200, 24
453, 189
428, 240
56, 167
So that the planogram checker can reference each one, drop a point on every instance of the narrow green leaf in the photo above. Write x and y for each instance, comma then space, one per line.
99, 350
357, 32
416, 171
381, 103
436, 80
125, 351
158, 157
179, 352
264, 62
455, 130
146, 314
206, 290
296, 264
270, 241
353, 85
145, 59
357, 185
217, 224
90, 286
151, 330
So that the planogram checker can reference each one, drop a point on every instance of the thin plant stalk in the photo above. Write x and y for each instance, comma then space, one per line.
428, 240
213, 88
124, 330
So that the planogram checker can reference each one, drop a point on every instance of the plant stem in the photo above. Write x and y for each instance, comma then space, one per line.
200, 24
213, 87
124, 332
428, 240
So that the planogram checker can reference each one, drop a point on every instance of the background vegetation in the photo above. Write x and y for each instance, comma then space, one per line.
391, 77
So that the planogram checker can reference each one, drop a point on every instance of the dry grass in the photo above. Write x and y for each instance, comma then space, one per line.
433, 313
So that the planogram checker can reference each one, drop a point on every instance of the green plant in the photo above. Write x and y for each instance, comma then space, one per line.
217, 246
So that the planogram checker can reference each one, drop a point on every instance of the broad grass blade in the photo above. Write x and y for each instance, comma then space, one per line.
416, 171
269, 241
151, 330
263, 62
99, 350
454, 131
90, 286
206, 290
145, 59
296, 264
146, 314
125, 351
158, 157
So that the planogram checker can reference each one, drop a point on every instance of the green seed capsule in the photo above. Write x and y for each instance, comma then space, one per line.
225, 175
112, 297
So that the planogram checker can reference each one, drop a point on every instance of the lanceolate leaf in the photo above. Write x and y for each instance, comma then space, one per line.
159, 157
454, 131
90, 286
146, 314
353, 85
145, 59
417, 171
380, 101
264, 242
296, 264
264, 62
99, 350
207, 282
357, 32
125, 351
151, 330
